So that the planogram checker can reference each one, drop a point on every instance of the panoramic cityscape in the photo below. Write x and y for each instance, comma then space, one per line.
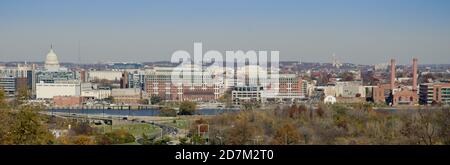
89, 77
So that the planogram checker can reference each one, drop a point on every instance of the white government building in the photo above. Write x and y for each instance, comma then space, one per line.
51, 62
108, 75
49, 90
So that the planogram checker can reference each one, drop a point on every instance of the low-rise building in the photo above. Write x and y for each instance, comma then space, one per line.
381, 93
326, 90
431, 93
159, 83
288, 88
22, 83
19, 71
52, 77
8, 84
246, 94
104, 75
96, 94
304, 87
404, 96
127, 96
50, 90
350, 89
67, 101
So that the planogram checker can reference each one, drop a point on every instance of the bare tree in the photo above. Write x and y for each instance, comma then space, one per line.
421, 128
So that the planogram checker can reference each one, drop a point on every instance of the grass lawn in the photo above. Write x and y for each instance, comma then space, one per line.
136, 129
179, 123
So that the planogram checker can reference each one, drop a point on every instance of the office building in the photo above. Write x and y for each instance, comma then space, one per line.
8, 84
242, 94
434, 93
50, 90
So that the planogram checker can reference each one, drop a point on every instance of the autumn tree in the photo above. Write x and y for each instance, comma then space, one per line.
295, 111
226, 99
421, 128
287, 134
320, 111
162, 141
340, 116
115, 137
64, 140
81, 128
5, 126
242, 131
183, 141
144, 101
22, 96
3, 103
168, 112
323, 78
347, 76
444, 124
83, 140
29, 127
249, 105
155, 100
187, 108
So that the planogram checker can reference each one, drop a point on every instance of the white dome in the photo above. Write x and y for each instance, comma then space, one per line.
329, 99
51, 58
51, 62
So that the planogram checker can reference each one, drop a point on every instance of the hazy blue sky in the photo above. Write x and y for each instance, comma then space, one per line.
358, 31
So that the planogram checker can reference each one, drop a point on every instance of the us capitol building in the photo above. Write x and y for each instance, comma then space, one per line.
53, 72
51, 62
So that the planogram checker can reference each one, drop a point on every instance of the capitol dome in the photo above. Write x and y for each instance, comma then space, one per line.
51, 62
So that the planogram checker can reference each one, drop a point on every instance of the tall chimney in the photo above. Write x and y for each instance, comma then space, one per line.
414, 88
392, 74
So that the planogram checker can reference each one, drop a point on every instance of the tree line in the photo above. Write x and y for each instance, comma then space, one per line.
326, 124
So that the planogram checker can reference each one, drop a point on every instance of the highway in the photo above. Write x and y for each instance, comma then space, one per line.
166, 130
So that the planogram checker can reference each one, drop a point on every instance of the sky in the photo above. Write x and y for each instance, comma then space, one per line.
356, 31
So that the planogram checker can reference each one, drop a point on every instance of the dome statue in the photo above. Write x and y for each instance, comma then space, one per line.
51, 62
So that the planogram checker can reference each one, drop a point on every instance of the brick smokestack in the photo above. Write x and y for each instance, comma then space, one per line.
392, 74
414, 81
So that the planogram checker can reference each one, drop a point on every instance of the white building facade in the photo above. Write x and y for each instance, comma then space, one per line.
49, 90
96, 94
108, 75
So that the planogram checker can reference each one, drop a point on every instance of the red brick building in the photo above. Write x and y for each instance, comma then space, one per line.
159, 83
381, 92
67, 101
396, 95
405, 97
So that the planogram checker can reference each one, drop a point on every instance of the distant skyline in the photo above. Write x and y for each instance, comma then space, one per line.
357, 31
